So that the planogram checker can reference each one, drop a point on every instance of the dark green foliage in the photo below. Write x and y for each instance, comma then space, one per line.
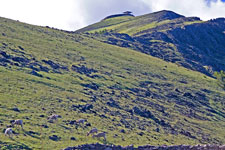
118, 15
220, 76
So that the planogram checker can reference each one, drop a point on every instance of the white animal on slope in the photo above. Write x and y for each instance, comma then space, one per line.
92, 131
80, 121
8, 132
53, 117
18, 122
101, 134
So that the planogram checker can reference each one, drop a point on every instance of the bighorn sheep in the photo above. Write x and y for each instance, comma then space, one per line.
53, 117
80, 121
18, 122
8, 132
92, 131
101, 134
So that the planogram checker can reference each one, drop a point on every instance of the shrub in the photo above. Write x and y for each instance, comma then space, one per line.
220, 76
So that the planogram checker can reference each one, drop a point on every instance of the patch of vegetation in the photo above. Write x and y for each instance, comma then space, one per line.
220, 76
105, 23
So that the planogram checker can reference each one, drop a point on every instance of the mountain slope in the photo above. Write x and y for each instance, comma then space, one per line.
136, 98
187, 41
126, 24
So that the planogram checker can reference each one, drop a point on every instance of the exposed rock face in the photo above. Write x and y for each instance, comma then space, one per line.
98, 146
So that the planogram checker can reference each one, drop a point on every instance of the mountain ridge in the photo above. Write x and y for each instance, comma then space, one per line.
187, 41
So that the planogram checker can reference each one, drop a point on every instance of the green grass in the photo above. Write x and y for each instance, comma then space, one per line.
106, 23
137, 25
119, 71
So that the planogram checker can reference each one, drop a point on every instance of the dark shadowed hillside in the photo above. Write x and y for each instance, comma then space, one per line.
187, 41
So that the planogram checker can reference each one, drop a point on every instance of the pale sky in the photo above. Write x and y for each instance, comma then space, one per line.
74, 14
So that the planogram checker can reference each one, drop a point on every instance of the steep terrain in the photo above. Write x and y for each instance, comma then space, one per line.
187, 41
136, 98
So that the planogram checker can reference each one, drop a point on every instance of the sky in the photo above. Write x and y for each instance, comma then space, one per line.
74, 14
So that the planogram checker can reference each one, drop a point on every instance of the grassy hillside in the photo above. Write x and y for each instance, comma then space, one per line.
134, 25
136, 98
106, 23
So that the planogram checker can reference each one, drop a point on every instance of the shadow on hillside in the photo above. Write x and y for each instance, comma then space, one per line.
32, 134
105, 142
18, 145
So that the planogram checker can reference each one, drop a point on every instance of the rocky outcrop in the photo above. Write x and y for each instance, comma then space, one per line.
98, 146
83, 70
82, 108
27, 61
